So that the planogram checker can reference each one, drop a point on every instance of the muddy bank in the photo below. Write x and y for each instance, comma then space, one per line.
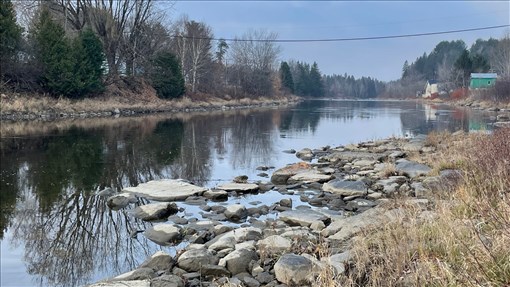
324, 201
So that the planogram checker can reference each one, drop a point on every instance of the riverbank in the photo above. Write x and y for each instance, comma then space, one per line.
379, 213
18, 107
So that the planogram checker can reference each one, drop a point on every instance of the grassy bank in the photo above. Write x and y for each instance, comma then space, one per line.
464, 239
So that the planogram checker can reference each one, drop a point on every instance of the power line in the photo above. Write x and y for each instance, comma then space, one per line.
342, 39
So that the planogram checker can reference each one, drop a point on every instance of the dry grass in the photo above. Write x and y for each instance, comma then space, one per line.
463, 241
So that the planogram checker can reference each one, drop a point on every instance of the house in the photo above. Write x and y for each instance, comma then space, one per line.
431, 90
482, 80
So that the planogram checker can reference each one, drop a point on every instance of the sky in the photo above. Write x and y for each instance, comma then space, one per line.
381, 59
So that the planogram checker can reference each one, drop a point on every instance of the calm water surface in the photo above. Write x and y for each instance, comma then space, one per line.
55, 231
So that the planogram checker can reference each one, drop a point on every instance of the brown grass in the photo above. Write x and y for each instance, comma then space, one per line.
467, 240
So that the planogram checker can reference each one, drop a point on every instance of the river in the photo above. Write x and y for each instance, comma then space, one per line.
55, 231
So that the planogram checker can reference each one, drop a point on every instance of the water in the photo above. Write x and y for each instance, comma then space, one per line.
54, 231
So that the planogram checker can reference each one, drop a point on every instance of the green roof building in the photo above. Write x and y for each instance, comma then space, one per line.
482, 80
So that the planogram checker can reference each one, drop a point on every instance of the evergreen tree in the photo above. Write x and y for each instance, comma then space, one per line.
88, 69
316, 84
464, 65
10, 35
55, 56
166, 76
479, 64
286, 77
405, 70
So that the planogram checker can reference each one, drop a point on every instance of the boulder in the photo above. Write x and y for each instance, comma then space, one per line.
338, 261
236, 212
281, 175
238, 261
308, 177
164, 234
155, 211
137, 274
346, 187
274, 244
411, 168
166, 190
242, 187
293, 270
214, 270
120, 200
168, 280
216, 195
303, 217
132, 283
193, 260
305, 154
159, 261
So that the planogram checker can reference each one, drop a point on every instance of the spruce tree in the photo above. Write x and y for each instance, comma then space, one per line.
10, 35
286, 77
88, 69
316, 84
166, 76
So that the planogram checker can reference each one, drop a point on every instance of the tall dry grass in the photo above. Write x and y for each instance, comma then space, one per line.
463, 241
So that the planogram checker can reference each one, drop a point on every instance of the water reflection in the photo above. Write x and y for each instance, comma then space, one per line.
50, 172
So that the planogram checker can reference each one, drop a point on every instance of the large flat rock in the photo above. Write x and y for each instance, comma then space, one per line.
166, 190
303, 217
244, 187
411, 168
346, 187
308, 177
132, 283
281, 175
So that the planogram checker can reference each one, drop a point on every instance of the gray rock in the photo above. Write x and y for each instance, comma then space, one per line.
305, 154
338, 261
236, 212
346, 187
193, 260
309, 177
292, 269
168, 280
107, 192
216, 195
178, 220
274, 244
287, 202
214, 270
155, 211
137, 274
164, 234
120, 200
159, 261
132, 283
238, 261
281, 175
240, 179
291, 151
242, 187
224, 241
303, 217
411, 168
166, 190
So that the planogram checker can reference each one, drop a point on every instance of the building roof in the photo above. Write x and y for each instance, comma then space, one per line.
484, 75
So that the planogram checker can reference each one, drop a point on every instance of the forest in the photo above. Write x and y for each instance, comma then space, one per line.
82, 48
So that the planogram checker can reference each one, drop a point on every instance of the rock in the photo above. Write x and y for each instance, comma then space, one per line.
374, 196
193, 260
107, 192
303, 217
411, 168
346, 187
247, 234
291, 151
274, 244
243, 187
263, 168
120, 200
309, 177
216, 195
293, 270
305, 154
159, 261
353, 155
236, 212
137, 274
166, 190
248, 280
168, 280
164, 234
133, 283
338, 261
287, 202
221, 242
155, 211
178, 220
238, 261
240, 179
281, 175
214, 270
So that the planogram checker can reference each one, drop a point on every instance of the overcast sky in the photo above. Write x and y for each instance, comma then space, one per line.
382, 59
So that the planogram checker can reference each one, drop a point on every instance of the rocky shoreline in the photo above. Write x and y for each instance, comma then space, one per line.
342, 191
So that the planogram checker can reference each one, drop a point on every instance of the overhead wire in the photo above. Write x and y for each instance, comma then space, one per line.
342, 39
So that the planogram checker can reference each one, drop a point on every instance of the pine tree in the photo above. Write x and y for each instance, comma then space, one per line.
10, 35
316, 84
88, 69
286, 77
405, 70
166, 76
464, 65
55, 56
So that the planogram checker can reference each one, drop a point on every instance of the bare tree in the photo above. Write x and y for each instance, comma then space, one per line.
502, 56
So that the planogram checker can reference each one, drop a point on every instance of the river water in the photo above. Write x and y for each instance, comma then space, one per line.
55, 231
